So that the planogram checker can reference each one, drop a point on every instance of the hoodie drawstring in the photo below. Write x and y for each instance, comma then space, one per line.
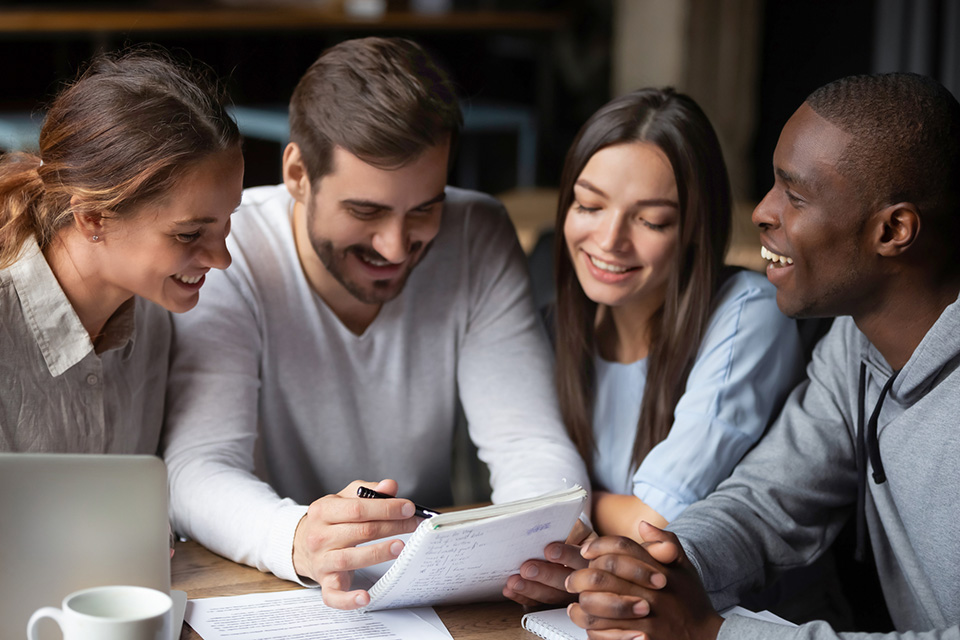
868, 444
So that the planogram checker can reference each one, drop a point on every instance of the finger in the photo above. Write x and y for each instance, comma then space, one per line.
338, 509
337, 599
388, 486
565, 554
612, 544
542, 582
596, 580
631, 569
352, 558
612, 605
662, 545
585, 620
509, 591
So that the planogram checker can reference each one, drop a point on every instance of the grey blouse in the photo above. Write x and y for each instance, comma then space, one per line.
57, 394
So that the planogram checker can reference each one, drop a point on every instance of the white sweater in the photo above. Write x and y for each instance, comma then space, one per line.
273, 403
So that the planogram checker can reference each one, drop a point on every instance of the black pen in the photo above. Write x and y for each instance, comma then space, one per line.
423, 512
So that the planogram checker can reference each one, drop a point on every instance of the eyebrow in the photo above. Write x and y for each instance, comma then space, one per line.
651, 202
207, 220
360, 202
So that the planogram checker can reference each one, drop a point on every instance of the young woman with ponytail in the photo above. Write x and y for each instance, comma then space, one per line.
106, 228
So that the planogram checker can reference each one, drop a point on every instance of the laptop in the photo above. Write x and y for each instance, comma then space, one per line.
72, 521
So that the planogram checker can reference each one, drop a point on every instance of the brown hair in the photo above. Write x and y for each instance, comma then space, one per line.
678, 127
119, 136
382, 99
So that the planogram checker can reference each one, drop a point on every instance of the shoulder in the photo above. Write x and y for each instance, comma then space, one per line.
746, 298
261, 208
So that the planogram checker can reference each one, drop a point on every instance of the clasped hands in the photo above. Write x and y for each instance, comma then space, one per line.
625, 590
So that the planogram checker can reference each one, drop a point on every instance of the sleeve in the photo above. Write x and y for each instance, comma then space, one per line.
505, 370
741, 628
786, 501
211, 432
749, 361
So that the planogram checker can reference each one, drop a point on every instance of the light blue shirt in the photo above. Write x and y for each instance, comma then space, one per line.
749, 360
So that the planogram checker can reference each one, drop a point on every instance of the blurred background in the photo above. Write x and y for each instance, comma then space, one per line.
529, 71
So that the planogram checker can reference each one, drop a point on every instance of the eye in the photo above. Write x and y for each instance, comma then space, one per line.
187, 238
793, 198
651, 225
584, 209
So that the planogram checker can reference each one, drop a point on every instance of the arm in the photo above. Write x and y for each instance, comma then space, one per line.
505, 379
749, 360
654, 588
615, 514
216, 496
505, 370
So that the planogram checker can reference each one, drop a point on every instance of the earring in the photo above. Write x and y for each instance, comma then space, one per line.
95, 238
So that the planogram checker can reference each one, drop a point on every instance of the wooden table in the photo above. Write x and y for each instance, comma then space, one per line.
203, 574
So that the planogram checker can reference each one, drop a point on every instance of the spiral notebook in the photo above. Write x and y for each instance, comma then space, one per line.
554, 624
467, 556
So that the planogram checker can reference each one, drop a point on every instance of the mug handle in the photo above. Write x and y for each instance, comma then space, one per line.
43, 612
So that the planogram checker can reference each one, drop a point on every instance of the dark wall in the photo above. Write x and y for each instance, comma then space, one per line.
805, 45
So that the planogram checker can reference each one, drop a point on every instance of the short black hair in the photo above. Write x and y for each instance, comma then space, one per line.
905, 143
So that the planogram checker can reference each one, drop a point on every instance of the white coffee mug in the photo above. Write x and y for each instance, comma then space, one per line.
110, 613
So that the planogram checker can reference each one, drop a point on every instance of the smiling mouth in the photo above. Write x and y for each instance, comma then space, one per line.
775, 259
188, 279
609, 267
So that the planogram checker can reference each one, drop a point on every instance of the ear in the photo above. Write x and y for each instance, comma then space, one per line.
295, 175
899, 228
88, 223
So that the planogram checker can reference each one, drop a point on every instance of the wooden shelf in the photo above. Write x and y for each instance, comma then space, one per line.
273, 18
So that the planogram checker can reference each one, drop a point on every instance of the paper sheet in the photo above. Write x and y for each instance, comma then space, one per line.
301, 615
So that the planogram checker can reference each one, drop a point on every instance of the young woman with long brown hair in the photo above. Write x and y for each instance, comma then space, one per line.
108, 226
669, 365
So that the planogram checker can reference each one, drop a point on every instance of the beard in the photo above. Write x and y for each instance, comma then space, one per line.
335, 259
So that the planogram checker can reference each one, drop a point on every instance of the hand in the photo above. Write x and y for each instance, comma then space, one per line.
325, 543
541, 581
649, 591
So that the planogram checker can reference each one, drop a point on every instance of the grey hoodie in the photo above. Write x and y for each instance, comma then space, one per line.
787, 500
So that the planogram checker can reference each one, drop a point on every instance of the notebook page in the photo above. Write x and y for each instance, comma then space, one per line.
554, 624
470, 562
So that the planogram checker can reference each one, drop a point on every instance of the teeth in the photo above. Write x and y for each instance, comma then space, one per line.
188, 279
374, 262
766, 254
606, 266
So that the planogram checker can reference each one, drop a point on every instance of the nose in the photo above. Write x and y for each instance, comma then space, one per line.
217, 254
765, 215
612, 234
392, 240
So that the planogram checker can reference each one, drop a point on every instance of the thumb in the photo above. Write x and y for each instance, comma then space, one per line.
661, 545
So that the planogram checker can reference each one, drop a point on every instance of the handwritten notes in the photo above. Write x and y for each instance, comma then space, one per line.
467, 556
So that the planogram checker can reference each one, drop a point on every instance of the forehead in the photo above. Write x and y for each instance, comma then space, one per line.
641, 168
352, 177
810, 148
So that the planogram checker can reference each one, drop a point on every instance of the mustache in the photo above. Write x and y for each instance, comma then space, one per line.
368, 253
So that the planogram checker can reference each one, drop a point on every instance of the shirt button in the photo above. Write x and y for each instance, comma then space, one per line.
91, 379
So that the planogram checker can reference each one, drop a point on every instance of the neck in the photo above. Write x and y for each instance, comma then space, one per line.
74, 262
355, 315
898, 324
623, 333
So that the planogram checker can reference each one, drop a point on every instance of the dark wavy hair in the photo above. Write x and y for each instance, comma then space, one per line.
678, 127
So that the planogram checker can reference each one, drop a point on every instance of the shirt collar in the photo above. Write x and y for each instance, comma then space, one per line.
51, 318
